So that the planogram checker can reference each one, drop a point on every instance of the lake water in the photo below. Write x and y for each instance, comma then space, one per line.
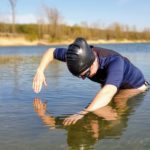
22, 129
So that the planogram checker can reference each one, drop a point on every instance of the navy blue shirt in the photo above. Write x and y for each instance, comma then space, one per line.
113, 69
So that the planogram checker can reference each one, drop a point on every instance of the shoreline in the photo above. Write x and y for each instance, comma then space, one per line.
4, 42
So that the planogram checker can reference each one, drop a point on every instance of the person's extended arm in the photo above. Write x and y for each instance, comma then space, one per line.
102, 98
39, 77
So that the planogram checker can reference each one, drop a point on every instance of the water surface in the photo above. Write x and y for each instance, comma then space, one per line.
22, 129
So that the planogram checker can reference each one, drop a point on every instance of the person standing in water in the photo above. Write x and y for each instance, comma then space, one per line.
106, 67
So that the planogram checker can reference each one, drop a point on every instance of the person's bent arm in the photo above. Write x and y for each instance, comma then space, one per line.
46, 59
102, 98
39, 77
114, 80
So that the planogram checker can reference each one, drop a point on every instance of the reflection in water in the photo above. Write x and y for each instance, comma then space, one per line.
122, 120
17, 68
107, 122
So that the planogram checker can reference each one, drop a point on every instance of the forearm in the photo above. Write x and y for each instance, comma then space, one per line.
46, 59
102, 98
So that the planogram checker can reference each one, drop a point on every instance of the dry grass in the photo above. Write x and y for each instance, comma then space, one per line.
10, 59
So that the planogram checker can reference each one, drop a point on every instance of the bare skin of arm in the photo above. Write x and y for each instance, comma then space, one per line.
102, 98
39, 77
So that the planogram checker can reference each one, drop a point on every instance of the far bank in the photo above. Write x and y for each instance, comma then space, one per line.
21, 41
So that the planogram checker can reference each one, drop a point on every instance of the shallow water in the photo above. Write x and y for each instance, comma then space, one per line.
22, 129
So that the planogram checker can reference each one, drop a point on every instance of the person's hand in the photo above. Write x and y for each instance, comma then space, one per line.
38, 81
74, 118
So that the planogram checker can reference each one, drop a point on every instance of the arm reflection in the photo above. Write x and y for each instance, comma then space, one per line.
107, 113
40, 108
107, 122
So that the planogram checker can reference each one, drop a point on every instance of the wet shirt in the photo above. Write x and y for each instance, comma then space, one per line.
113, 69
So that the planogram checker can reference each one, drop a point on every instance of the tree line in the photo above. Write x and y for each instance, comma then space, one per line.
49, 27
63, 32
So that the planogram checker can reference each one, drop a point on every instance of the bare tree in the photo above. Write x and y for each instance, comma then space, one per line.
54, 18
13, 8
41, 26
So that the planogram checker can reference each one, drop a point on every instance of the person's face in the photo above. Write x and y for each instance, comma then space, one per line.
91, 71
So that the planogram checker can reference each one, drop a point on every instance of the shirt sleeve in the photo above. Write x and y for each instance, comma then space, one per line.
115, 71
60, 54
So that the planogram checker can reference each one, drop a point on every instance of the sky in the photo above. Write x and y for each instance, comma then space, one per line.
102, 12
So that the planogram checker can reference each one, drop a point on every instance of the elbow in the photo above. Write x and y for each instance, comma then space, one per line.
109, 90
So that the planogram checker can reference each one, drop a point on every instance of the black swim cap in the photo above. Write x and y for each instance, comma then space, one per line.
79, 56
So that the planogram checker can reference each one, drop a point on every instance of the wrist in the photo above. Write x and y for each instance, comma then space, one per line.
40, 70
84, 112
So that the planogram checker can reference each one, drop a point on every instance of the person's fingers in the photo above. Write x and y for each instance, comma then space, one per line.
38, 86
77, 119
66, 121
37, 83
45, 83
33, 85
74, 121
35, 80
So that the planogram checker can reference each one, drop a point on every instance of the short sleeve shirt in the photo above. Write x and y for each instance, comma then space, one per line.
113, 69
